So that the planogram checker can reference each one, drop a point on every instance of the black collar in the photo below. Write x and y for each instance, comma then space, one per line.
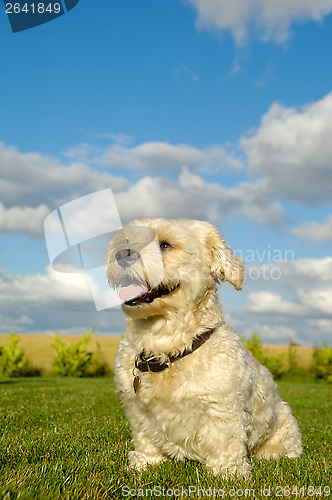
151, 363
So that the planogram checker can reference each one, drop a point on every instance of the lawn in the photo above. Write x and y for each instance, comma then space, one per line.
68, 439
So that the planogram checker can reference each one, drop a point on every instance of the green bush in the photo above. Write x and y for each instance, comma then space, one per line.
292, 361
75, 360
13, 362
322, 367
274, 364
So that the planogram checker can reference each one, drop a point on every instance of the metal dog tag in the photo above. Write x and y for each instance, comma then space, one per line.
136, 383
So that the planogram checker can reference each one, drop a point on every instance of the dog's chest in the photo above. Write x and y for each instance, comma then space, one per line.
175, 390
170, 385
173, 407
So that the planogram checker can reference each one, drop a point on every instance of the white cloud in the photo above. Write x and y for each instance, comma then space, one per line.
280, 333
24, 220
32, 185
294, 275
158, 156
52, 302
189, 197
315, 231
270, 18
265, 302
253, 201
293, 149
119, 138
292, 305
162, 155
295, 272
17, 324
42, 289
194, 198
33, 179
300, 300
317, 300
274, 334
323, 325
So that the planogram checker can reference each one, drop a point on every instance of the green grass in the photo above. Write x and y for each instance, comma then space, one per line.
68, 439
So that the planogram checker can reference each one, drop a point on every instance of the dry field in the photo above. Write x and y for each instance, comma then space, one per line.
39, 351
303, 355
38, 348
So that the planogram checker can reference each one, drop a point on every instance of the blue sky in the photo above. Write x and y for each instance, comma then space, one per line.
185, 109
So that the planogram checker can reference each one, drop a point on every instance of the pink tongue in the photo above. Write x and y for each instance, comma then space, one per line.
132, 291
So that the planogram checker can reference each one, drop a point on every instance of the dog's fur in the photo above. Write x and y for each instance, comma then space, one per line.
217, 405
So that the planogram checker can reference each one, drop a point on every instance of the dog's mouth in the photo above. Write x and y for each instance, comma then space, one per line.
137, 292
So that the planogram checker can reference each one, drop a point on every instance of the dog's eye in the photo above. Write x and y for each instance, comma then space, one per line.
165, 246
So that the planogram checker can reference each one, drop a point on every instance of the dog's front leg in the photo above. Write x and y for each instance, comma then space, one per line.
225, 447
146, 452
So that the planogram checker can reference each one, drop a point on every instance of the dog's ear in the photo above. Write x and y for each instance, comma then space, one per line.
225, 266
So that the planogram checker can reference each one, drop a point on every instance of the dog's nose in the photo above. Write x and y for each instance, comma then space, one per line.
126, 257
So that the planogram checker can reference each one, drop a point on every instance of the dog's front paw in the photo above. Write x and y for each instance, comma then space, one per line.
138, 460
242, 469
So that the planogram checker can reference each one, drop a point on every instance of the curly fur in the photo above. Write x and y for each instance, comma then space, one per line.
217, 405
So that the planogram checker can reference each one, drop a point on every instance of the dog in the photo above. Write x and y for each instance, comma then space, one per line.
190, 388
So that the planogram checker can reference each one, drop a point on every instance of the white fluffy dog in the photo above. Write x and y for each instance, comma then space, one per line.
190, 388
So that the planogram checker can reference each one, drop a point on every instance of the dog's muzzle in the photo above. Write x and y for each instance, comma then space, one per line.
136, 266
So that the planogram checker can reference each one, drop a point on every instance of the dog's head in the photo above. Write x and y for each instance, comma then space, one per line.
161, 265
